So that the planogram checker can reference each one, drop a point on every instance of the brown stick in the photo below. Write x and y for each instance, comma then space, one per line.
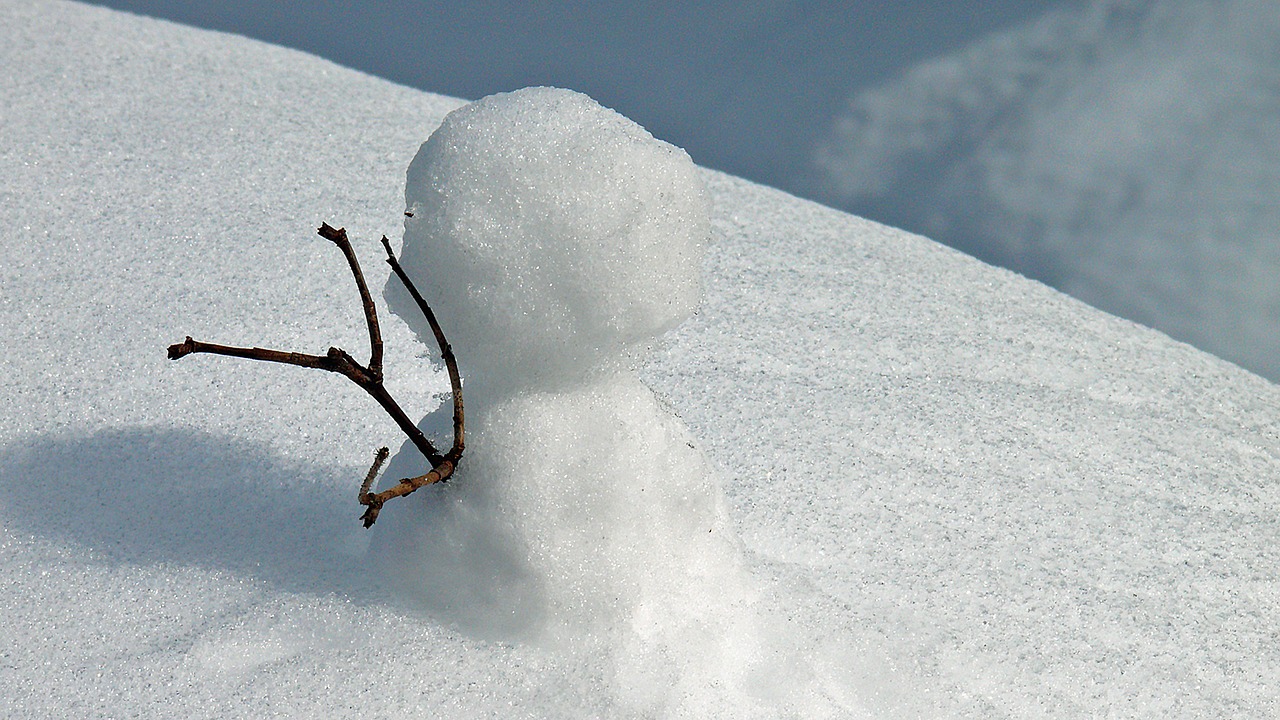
446, 352
339, 237
369, 378
378, 458
374, 502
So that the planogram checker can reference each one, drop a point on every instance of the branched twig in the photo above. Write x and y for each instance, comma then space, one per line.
369, 378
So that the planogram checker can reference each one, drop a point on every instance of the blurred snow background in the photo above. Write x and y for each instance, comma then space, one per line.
1126, 154
1119, 150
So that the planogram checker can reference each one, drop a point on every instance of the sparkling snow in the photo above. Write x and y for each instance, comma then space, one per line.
956, 492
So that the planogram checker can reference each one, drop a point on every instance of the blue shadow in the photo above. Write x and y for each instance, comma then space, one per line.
148, 496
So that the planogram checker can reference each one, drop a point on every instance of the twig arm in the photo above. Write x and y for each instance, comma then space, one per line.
420, 441
378, 458
337, 361
369, 378
446, 352
375, 501
338, 236
189, 347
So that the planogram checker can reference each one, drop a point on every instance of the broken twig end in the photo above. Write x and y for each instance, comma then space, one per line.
184, 348
332, 234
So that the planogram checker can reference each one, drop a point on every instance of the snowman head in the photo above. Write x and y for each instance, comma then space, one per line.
553, 237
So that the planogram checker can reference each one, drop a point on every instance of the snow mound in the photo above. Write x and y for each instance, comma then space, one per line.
584, 521
552, 236
960, 494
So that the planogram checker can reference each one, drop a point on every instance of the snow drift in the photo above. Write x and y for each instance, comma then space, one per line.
958, 493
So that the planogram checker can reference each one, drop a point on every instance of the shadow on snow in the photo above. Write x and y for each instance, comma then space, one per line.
152, 496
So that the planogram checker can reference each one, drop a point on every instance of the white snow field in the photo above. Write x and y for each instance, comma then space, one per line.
937, 489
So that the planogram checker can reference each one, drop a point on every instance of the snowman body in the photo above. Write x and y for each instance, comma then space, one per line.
556, 240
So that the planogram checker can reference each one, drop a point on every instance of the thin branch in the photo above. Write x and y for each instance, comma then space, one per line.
189, 346
338, 237
439, 473
338, 361
446, 352
378, 458
369, 378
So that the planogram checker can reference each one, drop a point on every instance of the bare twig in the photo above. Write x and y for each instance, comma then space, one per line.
339, 238
369, 378
378, 458
446, 350
374, 501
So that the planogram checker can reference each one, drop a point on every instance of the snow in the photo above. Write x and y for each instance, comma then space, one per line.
957, 493
560, 239
1121, 152
556, 235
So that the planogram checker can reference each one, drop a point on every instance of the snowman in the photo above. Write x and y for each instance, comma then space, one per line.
556, 241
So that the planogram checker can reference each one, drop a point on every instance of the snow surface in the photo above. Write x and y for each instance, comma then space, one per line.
558, 237
958, 493
1124, 153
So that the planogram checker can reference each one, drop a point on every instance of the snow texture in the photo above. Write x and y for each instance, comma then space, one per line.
556, 237
956, 492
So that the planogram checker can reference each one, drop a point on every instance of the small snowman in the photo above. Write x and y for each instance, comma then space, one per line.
556, 241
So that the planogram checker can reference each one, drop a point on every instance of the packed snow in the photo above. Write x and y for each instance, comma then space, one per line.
560, 239
932, 487
557, 234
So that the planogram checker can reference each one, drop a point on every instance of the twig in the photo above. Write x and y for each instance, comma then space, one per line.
378, 458
369, 378
446, 350
339, 238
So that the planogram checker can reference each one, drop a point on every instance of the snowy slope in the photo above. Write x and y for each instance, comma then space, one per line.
1122, 151
961, 493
